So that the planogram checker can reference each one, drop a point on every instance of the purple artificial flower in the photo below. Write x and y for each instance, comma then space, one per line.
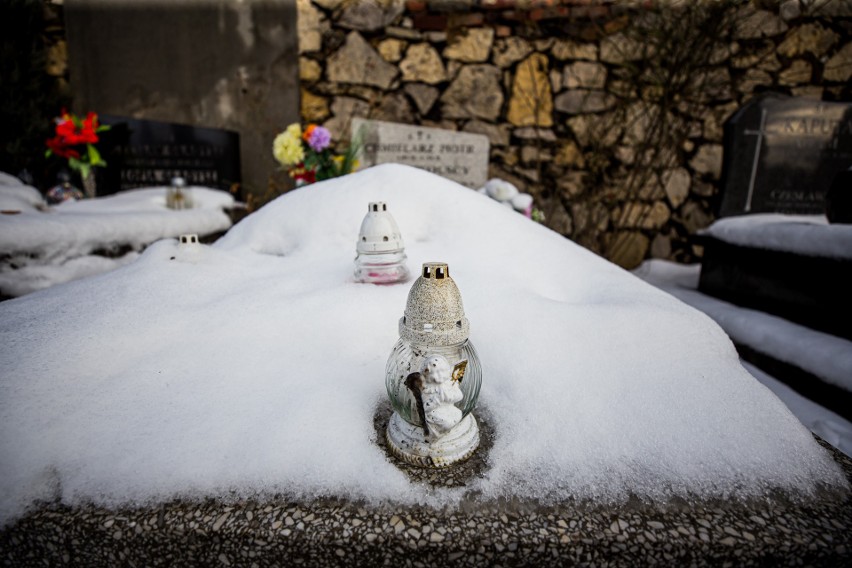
319, 139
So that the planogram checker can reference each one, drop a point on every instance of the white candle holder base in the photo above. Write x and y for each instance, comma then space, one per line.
410, 444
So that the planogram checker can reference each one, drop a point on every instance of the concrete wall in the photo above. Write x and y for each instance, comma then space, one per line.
217, 63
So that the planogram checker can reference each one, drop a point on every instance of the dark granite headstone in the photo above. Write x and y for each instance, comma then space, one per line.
838, 200
142, 153
782, 154
810, 290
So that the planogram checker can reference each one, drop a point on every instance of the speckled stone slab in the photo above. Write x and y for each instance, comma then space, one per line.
774, 532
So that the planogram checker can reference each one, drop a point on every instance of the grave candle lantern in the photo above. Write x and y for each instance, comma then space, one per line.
381, 252
178, 196
188, 249
433, 375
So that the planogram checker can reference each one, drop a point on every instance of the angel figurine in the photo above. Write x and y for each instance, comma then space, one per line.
436, 390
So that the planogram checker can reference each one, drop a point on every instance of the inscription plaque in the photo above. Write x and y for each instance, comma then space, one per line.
142, 153
459, 156
782, 154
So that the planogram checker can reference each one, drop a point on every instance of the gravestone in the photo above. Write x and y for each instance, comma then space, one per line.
782, 154
143, 153
459, 156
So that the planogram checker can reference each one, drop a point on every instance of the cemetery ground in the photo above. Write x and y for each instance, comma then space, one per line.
333, 532
235, 409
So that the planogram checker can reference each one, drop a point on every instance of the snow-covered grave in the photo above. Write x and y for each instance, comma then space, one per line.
253, 368
826, 357
41, 246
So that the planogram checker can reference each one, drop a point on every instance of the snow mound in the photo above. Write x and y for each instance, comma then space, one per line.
258, 365
17, 196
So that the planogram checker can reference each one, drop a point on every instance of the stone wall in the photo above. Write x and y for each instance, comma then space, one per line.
609, 112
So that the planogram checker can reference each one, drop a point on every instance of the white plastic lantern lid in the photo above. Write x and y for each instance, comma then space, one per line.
379, 232
434, 314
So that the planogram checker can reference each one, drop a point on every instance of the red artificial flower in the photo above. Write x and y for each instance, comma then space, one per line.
300, 173
73, 132
75, 140
90, 128
59, 147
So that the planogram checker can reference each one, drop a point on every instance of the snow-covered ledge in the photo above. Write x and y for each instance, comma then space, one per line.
41, 246
808, 235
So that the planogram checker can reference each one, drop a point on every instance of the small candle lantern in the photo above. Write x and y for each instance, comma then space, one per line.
188, 249
433, 375
178, 195
189, 240
381, 252
63, 190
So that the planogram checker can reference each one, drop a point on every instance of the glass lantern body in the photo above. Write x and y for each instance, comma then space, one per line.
178, 195
381, 268
406, 358
433, 324
62, 192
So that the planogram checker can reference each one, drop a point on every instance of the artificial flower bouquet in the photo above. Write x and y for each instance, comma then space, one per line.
307, 155
75, 140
